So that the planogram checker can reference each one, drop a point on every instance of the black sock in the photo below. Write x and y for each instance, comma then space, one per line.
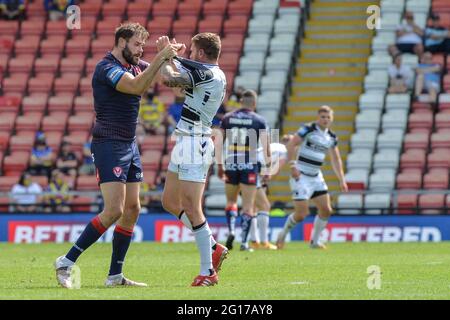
121, 243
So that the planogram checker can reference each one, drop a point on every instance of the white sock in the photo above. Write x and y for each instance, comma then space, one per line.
187, 223
319, 225
254, 231
289, 224
185, 220
203, 240
263, 226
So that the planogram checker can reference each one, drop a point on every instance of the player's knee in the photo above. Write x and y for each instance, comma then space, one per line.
326, 212
170, 205
113, 213
133, 209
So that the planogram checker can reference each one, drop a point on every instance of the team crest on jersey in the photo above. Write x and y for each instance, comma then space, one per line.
117, 171
201, 74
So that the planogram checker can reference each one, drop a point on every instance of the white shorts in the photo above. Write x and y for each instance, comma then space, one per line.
191, 158
307, 187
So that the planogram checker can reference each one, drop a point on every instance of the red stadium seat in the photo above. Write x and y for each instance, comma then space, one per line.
114, 9
7, 120
142, 20
102, 45
88, 25
162, 8
107, 28
53, 44
150, 159
139, 8
189, 8
82, 203
440, 140
86, 85
79, 45
83, 103
81, 121
77, 139
21, 63
92, 62
9, 27
233, 43
229, 61
3, 62
4, 143
90, 9
23, 141
67, 83
419, 106
15, 83
6, 183
42, 82
211, 24
35, 102
87, 183
54, 139
413, 158
56, 121
407, 203
235, 24
160, 25
186, 25
416, 141
60, 103
442, 120
421, 120
27, 45
439, 158
431, 203
407, 180
436, 179
73, 63
151, 142
6, 44
32, 28
47, 63
56, 28
10, 103
35, 9
241, 7
30, 122
15, 163
215, 8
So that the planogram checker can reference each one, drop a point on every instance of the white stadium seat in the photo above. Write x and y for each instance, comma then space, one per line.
257, 42
352, 201
364, 139
371, 100
388, 159
378, 201
382, 180
359, 159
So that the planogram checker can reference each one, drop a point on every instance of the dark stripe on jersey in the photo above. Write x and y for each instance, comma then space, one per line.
188, 114
306, 160
189, 95
187, 120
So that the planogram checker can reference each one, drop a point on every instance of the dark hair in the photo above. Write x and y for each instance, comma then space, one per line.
209, 42
128, 30
22, 177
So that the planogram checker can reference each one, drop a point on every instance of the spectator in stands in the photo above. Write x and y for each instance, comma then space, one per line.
88, 166
437, 38
42, 159
428, 77
26, 194
401, 76
58, 200
152, 113
234, 102
219, 115
409, 38
57, 8
174, 112
12, 9
67, 161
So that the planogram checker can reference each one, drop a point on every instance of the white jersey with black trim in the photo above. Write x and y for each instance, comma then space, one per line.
314, 149
278, 152
204, 98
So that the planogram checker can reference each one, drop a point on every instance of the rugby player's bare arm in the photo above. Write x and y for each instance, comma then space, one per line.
139, 85
172, 78
219, 142
336, 163
292, 154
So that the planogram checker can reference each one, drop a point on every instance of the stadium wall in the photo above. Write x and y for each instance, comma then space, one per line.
31, 228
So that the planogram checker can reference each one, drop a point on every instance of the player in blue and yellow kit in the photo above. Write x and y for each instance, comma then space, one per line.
118, 83
244, 131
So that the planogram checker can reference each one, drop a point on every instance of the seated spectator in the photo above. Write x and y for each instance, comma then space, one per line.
57, 8
12, 9
436, 37
59, 199
219, 115
428, 77
234, 102
26, 194
67, 161
174, 112
42, 159
88, 166
151, 114
409, 38
401, 76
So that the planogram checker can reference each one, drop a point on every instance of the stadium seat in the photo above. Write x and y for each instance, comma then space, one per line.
22, 63
416, 141
60, 103
377, 203
42, 82
35, 102
141, 8
407, 203
163, 8
436, 179
56, 121
82, 204
420, 120
114, 9
350, 204
186, 24
54, 139
431, 203
102, 45
6, 44
357, 179
413, 158
81, 121
233, 43
87, 183
439, 158
24, 141
151, 142
53, 45
83, 103
390, 139
189, 8
73, 63
78, 45
28, 122
27, 45
241, 7
235, 24
150, 159
67, 83
7, 182
360, 159
90, 9
440, 140
215, 8
10, 102
7, 120
47, 63
56, 28
160, 25
9, 27
211, 24
382, 180
442, 120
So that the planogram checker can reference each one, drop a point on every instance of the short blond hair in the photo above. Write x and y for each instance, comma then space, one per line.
325, 109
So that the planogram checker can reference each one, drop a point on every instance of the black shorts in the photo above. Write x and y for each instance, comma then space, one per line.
245, 174
406, 47
117, 161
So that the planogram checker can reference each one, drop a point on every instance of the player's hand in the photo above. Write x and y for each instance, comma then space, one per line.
169, 52
343, 186
221, 172
162, 42
295, 173
182, 48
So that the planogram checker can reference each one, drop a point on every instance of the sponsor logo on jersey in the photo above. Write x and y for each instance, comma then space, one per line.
117, 171
139, 175
201, 74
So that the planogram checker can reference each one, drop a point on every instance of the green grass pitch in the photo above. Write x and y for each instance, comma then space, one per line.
408, 271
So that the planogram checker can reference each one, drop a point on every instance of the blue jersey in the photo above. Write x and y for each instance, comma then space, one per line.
116, 112
242, 130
